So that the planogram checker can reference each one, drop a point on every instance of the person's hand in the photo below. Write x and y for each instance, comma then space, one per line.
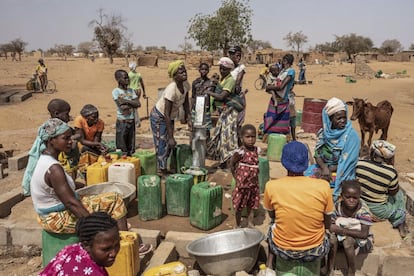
102, 148
335, 228
171, 142
326, 174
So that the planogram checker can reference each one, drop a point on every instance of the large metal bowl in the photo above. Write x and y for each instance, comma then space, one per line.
126, 190
227, 252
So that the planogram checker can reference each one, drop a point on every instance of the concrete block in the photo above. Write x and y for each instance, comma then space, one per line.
26, 235
19, 161
148, 236
408, 190
368, 264
165, 253
181, 239
5, 97
8, 200
2, 175
398, 264
3, 235
20, 96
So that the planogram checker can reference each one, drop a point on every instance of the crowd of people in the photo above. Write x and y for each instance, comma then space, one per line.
313, 209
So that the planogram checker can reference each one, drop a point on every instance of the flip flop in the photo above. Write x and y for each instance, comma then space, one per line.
145, 249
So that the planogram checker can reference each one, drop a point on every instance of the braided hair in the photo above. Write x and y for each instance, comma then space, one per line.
88, 227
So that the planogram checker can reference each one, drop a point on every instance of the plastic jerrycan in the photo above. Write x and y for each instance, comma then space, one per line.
149, 197
148, 161
122, 172
275, 143
127, 262
177, 194
97, 173
169, 269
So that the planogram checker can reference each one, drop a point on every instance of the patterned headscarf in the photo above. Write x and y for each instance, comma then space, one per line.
383, 149
88, 109
173, 67
50, 129
295, 157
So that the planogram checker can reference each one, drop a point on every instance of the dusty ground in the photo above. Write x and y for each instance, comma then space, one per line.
80, 82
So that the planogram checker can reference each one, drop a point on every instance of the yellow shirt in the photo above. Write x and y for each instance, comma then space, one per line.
300, 203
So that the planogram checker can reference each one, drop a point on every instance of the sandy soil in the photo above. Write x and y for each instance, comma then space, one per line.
80, 82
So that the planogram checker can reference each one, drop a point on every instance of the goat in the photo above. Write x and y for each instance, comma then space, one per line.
371, 118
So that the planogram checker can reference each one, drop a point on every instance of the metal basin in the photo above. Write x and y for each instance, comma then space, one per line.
227, 252
126, 190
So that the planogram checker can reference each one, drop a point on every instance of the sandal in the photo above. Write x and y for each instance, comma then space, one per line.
144, 249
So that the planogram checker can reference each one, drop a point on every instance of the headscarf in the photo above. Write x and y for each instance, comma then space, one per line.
226, 62
345, 140
132, 65
49, 129
88, 109
334, 105
173, 67
295, 157
383, 149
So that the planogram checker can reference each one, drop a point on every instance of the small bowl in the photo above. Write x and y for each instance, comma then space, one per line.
227, 252
126, 190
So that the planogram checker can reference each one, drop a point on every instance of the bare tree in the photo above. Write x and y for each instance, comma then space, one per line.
296, 40
255, 45
17, 47
108, 32
62, 50
86, 48
411, 47
5, 49
391, 46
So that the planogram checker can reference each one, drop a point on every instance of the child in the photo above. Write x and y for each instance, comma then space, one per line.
245, 169
198, 88
292, 113
89, 127
273, 82
126, 101
350, 226
137, 84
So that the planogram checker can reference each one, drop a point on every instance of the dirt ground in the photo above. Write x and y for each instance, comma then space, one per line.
80, 81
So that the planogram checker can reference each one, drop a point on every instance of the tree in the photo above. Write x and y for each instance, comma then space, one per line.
327, 47
62, 50
296, 40
109, 33
255, 45
411, 47
17, 47
352, 44
86, 48
186, 46
391, 46
230, 25
5, 49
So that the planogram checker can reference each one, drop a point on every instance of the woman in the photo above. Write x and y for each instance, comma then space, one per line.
89, 128
276, 119
99, 243
53, 190
166, 110
225, 138
237, 73
337, 149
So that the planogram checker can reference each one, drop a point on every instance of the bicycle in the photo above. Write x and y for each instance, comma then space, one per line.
260, 83
33, 84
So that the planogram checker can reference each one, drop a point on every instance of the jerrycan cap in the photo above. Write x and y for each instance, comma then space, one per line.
180, 268
262, 266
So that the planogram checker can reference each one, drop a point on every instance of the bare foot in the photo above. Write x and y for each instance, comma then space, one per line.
402, 229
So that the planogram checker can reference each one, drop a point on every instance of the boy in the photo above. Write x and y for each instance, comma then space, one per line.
350, 226
126, 101
137, 84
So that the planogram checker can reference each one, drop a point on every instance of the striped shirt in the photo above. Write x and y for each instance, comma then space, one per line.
376, 179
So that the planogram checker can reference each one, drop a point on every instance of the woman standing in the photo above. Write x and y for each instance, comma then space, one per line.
166, 110
237, 73
276, 119
225, 138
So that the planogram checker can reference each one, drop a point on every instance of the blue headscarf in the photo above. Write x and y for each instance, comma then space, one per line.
49, 129
345, 140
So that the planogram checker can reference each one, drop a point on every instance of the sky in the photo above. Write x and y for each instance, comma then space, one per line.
45, 23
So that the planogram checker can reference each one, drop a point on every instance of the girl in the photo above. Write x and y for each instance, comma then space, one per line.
350, 226
97, 248
245, 169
